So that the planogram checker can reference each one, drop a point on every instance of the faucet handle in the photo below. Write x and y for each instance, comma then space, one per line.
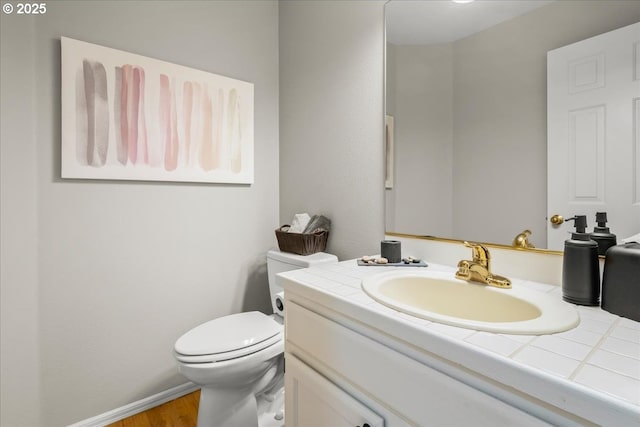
480, 252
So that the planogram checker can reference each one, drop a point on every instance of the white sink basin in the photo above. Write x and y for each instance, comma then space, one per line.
440, 297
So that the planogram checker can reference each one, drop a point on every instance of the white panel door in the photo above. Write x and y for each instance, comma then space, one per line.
313, 401
593, 121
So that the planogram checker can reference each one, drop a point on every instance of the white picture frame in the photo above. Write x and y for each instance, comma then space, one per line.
389, 151
130, 117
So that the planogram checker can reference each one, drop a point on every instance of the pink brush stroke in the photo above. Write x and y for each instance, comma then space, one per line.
167, 122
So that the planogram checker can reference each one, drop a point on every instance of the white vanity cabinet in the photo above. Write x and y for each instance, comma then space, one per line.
327, 359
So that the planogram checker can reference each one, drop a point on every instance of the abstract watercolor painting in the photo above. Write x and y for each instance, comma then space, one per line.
126, 116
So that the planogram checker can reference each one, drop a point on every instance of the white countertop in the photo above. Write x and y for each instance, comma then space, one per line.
592, 368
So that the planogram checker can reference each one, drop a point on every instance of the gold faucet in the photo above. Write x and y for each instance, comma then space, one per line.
522, 240
478, 270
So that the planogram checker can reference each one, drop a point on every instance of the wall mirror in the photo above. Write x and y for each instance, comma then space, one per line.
466, 88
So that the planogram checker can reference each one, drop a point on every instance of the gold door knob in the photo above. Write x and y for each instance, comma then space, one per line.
556, 219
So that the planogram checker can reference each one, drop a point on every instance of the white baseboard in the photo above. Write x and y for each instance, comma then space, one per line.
137, 407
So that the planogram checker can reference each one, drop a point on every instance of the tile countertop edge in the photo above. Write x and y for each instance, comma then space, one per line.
562, 393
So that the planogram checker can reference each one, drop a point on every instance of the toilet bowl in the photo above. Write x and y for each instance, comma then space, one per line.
238, 360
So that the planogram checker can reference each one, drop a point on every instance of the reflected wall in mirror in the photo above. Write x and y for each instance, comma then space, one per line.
466, 85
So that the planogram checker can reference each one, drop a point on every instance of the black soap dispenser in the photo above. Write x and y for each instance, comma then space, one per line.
601, 234
580, 268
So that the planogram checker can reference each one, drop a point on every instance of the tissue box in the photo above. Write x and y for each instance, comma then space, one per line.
621, 281
301, 243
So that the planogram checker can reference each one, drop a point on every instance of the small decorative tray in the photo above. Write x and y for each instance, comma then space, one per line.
393, 264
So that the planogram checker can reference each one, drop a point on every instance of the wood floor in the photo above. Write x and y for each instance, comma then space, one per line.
182, 412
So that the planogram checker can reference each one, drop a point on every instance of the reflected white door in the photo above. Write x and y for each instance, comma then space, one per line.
593, 122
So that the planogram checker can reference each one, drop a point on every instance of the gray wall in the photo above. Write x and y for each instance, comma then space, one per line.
19, 316
331, 119
421, 93
390, 79
99, 278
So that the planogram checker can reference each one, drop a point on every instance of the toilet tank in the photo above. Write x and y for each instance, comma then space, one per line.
279, 262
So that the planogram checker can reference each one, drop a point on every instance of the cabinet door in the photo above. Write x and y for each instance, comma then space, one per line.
313, 401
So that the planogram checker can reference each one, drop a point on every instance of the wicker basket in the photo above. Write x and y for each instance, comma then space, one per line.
301, 244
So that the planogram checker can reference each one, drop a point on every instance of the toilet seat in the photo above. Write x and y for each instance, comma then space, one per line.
228, 355
228, 337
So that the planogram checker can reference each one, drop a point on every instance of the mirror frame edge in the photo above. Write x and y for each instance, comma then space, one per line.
490, 245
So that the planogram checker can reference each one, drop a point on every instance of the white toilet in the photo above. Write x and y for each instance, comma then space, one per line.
238, 359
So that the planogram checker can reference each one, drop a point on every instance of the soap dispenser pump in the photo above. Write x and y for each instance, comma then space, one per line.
580, 268
601, 234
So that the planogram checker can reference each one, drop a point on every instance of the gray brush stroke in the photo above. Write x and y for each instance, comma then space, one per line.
95, 88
